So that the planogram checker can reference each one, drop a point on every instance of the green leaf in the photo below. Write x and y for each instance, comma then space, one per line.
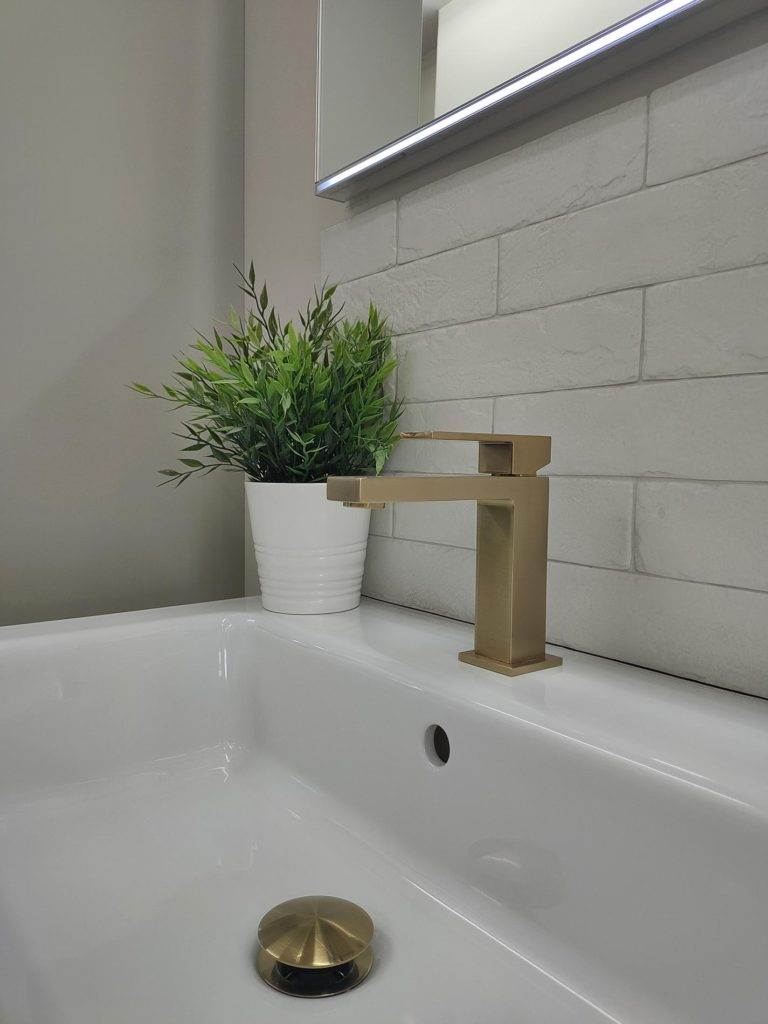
294, 402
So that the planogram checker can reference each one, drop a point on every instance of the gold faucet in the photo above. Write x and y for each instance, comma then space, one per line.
512, 523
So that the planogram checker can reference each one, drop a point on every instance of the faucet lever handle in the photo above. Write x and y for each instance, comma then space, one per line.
500, 454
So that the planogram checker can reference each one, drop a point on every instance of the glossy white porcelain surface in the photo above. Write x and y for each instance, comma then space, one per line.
595, 849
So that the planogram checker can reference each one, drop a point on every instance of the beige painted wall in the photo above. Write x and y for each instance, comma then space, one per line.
283, 217
120, 218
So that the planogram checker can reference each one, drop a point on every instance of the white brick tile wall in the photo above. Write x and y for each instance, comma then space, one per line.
709, 429
412, 574
590, 521
659, 502
438, 522
381, 521
362, 245
711, 118
575, 167
691, 629
594, 341
711, 532
714, 221
714, 634
448, 288
707, 326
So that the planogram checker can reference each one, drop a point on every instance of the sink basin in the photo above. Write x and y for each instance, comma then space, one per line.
594, 848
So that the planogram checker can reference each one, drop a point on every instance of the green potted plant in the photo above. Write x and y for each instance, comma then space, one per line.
290, 406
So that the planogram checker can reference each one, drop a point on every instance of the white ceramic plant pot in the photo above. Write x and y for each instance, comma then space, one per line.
310, 551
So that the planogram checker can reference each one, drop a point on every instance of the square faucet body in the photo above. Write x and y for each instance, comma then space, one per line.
512, 531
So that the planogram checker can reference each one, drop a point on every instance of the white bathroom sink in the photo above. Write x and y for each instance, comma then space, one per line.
595, 848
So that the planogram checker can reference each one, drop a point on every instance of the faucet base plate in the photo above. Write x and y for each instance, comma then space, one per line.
473, 658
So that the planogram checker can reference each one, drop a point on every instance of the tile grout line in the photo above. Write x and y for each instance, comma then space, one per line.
616, 478
647, 382
599, 568
503, 314
397, 233
522, 312
696, 276
633, 538
641, 353
659, 479
407, 263
498, 275
583, 209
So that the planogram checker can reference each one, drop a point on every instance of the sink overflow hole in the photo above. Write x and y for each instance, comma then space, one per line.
437, 744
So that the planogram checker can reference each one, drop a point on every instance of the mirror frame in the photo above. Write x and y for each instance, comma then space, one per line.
653, 31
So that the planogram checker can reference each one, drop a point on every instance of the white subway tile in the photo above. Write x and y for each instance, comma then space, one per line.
712, 118
707, 326
425, 576
712, 532
577, 166
714, 221
707, 429
714, 634
449, 288
381, 522
594, 341
590, 521
582, 237
452, 523
362, 244
474, 416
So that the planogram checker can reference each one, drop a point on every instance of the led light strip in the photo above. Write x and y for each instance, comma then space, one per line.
595, 45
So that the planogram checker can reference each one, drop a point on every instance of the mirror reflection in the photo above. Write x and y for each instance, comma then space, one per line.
388, 66
471, 46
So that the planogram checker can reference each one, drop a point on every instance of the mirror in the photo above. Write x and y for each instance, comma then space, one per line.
396, 73
471, 46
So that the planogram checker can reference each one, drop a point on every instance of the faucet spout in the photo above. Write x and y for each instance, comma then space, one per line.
512, 526
378, 490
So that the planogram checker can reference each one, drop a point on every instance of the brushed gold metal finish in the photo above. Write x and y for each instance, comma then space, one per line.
471, 658
315, 932
512, 529
315, 946
506, 454
366, 489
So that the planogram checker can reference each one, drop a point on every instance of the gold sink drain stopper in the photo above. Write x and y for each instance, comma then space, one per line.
315, 946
